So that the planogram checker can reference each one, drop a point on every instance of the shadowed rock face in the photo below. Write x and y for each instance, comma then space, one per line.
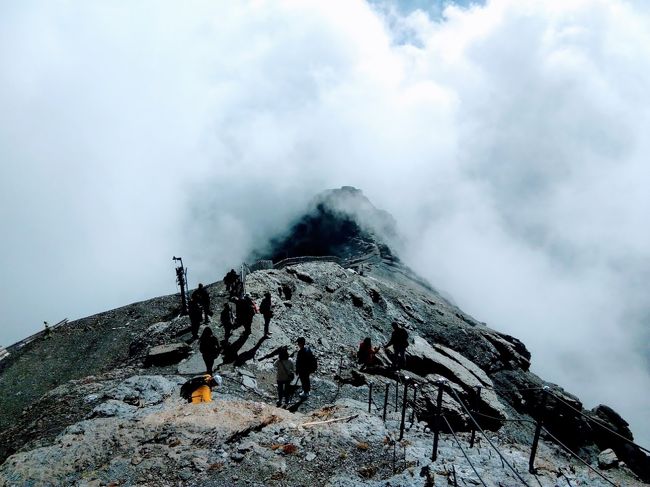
113, 400
339, 222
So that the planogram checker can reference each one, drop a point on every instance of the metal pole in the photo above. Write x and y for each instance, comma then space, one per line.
436, 422
415, 395
478, 396
386, 400
401, 426
396, 391
538, 429
453, 469
369, 396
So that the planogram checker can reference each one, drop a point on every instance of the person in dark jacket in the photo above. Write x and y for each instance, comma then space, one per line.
305, 366
195, 313
248, 310
209, 348
284, 375
399, 339
266, 309
227, 319
203, 297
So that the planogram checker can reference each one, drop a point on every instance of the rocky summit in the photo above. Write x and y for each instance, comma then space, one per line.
97, 401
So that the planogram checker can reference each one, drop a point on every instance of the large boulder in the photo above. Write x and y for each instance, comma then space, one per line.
170, 354
465, 379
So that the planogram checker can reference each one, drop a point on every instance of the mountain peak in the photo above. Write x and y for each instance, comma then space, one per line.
339, 222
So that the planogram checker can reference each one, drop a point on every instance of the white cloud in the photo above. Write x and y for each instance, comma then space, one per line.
508, 140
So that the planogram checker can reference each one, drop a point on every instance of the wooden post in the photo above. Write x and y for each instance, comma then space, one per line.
386, 400
436, 422
538, 430
401, 426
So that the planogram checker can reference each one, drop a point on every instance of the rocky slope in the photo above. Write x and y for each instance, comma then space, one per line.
81, 408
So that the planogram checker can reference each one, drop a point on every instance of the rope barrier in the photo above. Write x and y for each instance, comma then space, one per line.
575, 455
463, 451
598, 423
485, 436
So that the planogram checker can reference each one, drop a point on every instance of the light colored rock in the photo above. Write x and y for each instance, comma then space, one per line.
607, 459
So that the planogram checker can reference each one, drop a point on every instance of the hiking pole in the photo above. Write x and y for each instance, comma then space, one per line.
401, 426
436, 422
538, 429
386, 400
369, 396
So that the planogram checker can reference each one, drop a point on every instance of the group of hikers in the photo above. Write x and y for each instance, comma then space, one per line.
286, 369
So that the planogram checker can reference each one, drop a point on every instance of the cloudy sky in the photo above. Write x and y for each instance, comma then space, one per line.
508, 138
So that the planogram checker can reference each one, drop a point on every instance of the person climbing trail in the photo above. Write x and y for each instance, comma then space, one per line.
399, 339
306, 365
266, 309
227, 319
366, 355
209, 348
195, 314
203, 297
285, 373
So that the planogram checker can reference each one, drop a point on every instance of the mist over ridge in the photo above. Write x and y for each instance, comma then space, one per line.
506, 139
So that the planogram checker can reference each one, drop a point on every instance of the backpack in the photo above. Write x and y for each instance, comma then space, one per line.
312, 362
193, 384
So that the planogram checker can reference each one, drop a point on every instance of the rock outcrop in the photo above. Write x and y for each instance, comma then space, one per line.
95, 415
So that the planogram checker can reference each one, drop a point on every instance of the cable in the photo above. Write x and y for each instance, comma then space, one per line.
505, 420
463, 450
488, 440
510, 389
576, 456
598, 423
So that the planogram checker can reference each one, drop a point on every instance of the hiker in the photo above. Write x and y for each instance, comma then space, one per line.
267, 312
286, 289
203, 297
227, 319
399, 339
209, 348
284, 375
196, 314
305, 366
229, 280
366, 355
248, 309
199, 389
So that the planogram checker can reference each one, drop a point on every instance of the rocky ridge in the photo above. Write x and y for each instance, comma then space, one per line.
95, 415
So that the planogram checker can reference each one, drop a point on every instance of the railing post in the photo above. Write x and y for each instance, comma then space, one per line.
538, 429
436, 421
401, 426
478, 396
415, 395
386, 400
369, 397
396, 391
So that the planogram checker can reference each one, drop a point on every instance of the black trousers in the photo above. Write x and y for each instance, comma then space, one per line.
283, 389
304, 381
267, 320
209, 363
